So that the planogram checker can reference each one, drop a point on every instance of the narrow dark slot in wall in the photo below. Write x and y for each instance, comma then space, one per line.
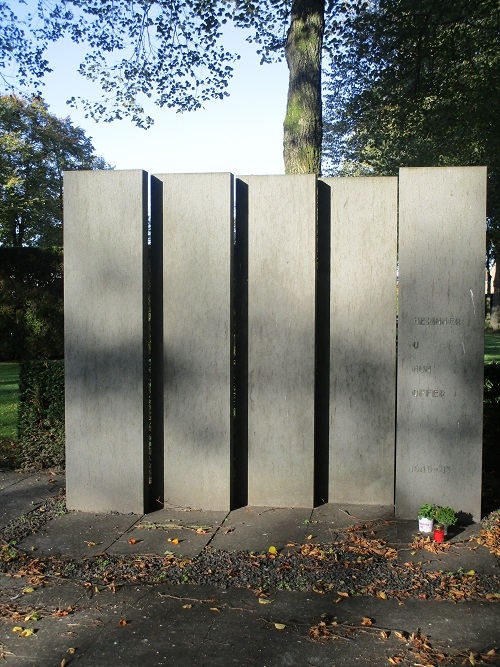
239, 467
322, 347
156, 324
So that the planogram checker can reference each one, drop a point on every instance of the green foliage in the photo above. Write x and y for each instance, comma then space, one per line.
492, 383
173, 53
426, 511
417, 86
445, 515
31, 304
35, 149
41, 414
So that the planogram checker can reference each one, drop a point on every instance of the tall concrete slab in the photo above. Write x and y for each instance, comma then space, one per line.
105, 264
281, 327
198, 234
440, 338
362, 339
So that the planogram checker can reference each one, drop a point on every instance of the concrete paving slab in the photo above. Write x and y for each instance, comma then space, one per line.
330, 520
258, 528
157, 533
161, 630
198, 626
21, 494
10, 477
78, 534
70, 616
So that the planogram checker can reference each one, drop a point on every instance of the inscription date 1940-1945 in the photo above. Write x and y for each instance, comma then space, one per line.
442, 469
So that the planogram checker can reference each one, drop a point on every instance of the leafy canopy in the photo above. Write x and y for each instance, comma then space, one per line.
35, 148
169, 51
417, 85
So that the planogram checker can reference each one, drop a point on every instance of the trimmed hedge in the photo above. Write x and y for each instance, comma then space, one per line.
41, 414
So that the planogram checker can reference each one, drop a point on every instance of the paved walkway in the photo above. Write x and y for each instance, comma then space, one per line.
202, 626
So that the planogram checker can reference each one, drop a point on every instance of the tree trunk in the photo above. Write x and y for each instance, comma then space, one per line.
303, 121
495, 297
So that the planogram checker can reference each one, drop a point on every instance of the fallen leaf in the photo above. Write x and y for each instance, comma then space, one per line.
187, 606
122, 623
175, 540
59, 613
382, 595
28, 589
71, 651
272, 550
64, 662
279, 626
472, 659
34, 616
401, 635
264, 601
309, 537
342, 594
27, 632
366, 621
396, 660
132, 541
471, 572
384, 634
90, 544
215, 609
17, 628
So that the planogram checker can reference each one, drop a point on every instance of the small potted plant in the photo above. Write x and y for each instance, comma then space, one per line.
446, 516
426, 518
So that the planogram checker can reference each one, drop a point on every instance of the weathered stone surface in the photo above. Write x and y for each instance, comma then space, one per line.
197, 329
362, 339
105, 246
440, 339
281, 324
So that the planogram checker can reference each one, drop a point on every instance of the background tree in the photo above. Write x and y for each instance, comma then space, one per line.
35, 148
417, 85
173, 52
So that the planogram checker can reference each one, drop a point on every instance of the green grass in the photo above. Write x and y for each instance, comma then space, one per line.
9, 396
491, 347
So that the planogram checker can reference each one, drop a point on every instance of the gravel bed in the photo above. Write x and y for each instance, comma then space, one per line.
30, 523
339, 567
245, 570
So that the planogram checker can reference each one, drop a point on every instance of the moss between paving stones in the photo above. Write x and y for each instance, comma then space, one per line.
356, 565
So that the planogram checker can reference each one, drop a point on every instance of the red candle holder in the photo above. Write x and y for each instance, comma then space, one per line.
438, 532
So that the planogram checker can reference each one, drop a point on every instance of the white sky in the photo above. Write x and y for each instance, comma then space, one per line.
242, 134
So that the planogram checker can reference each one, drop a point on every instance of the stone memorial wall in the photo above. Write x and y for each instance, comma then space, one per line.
296, 357
440, 338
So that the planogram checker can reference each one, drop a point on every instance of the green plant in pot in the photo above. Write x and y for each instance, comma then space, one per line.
426, 517
446, 516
